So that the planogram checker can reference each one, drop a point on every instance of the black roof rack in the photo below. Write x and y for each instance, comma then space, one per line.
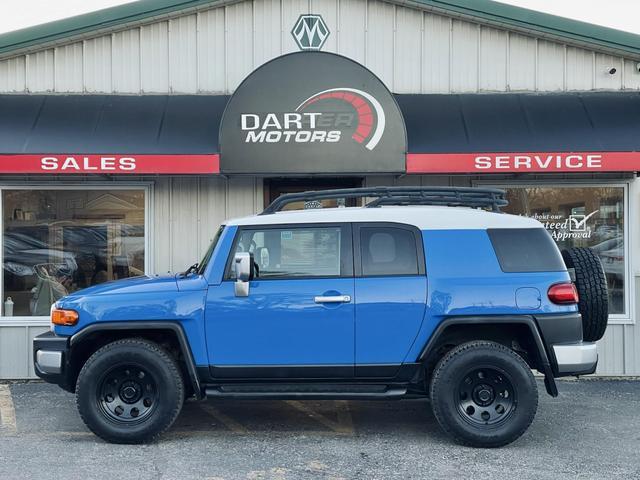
492, 198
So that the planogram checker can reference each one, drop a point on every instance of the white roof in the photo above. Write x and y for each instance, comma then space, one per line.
423, 217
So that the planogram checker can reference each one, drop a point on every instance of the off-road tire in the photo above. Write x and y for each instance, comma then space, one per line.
160, 365
453, 369
591, 284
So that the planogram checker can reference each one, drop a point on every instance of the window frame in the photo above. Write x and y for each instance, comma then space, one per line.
146, 187
357, 250
346, 249
630, 189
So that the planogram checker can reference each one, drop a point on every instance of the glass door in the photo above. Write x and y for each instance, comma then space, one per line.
274, 187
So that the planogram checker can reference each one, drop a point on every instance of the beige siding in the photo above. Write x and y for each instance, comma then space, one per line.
412, 51
154, 57
523, 61
212, 59
39, 71
13, 75
16, 352
68, 75
183, 55
125, 55
187, 212
97, 64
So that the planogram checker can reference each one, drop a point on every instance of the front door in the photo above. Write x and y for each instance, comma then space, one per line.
298, 318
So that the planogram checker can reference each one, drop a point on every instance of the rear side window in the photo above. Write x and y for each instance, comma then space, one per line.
388, 251
526, 250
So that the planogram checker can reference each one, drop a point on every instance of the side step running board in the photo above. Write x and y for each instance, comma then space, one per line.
303, 392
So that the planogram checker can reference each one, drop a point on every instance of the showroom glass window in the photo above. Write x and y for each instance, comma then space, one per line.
59, 241
582, 216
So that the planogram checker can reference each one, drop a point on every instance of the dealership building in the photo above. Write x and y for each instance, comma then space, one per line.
128, 135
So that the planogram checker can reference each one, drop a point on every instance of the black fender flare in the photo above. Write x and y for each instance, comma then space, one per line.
527, 320
175, 327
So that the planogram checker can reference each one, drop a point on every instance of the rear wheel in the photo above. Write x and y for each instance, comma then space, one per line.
483, 394
129, 391
591, 284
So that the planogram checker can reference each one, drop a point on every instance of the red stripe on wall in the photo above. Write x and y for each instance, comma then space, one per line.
115, 164
523, 162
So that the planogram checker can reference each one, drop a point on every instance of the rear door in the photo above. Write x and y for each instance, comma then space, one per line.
298, 319
390, 292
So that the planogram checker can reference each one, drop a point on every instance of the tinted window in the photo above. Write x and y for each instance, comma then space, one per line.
294, 252
388, 251
526, 250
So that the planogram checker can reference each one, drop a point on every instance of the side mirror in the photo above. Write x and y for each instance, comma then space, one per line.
243, 268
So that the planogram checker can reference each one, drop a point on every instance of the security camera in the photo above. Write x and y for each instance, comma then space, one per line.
612, 70
638, 67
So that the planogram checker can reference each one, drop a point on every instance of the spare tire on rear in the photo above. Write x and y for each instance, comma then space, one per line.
592, 291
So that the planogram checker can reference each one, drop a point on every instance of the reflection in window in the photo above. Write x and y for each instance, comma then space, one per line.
293, 252
60, 241
581, 217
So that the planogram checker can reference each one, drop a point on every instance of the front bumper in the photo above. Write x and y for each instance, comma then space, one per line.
577, 358
51, 359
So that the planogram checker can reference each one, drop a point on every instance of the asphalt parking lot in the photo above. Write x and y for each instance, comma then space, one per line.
592, 430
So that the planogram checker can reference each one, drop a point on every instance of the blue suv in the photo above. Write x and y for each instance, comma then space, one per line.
422, 292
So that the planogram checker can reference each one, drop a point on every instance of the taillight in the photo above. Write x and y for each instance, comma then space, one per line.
563, 293
66, 318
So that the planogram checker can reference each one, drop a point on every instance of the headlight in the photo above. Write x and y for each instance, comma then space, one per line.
66, 318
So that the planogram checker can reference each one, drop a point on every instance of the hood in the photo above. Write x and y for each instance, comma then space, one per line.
142, 284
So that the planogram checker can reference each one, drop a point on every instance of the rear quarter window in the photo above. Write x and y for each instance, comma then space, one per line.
525, 250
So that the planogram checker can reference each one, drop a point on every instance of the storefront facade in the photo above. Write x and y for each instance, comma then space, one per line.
126, 140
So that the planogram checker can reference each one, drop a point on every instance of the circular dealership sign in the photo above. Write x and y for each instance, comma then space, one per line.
312, 112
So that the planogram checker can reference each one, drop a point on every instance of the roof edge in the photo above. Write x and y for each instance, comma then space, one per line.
107, 18
484, 11
567, 29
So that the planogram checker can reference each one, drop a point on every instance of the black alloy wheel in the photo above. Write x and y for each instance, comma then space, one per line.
127, 393
485, 396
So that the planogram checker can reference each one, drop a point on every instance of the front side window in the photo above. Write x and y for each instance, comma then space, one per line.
388, 251
294, 252
582, 216
56, 242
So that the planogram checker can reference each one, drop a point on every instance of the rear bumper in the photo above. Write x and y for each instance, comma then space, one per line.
568, 354
577, 358
51, 359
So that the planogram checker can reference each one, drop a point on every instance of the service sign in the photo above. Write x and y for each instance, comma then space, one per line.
523, 162
312, 112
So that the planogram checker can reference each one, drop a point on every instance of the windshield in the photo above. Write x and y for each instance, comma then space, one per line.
207, 256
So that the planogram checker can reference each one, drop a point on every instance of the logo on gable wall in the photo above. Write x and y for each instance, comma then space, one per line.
310, 32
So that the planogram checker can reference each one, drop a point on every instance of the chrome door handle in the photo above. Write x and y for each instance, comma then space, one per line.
333, 299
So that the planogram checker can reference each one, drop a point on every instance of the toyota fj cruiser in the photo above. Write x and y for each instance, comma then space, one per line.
423, 291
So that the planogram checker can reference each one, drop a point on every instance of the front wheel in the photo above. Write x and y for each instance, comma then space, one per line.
483, 394
129, 391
